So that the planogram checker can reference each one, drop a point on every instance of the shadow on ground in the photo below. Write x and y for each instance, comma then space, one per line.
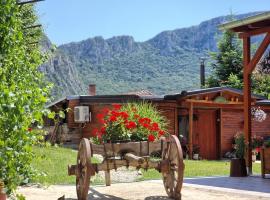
99, 196
251, 183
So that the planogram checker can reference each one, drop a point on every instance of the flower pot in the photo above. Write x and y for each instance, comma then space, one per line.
196, 156
238, 167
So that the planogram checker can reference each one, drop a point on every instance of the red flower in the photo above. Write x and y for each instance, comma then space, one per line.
160, 133
100, 117
29, 129
155, 127
103, 130
131, 125
151, 138
117, 106
112, 118
95, 132
124, 115
146, 125
144, 121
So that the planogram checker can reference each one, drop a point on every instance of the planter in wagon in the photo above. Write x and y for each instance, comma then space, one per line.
128, 136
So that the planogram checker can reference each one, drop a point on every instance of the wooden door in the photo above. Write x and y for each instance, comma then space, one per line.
206, 132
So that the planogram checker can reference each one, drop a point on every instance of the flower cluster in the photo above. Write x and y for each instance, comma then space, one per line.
129, 122
258, 114
239, 141
256, 142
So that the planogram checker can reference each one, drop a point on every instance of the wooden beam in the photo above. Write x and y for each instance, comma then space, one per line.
259, 53
190, 136
255, 32
34, 26
176, 128
26, 2
247, 102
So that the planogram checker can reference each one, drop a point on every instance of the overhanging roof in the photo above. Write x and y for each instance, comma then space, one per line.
248, 24
185, 94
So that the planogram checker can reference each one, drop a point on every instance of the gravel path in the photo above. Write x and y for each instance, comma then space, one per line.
146, 190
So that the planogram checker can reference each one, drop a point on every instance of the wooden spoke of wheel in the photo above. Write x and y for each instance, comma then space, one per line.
173, 179
84, 165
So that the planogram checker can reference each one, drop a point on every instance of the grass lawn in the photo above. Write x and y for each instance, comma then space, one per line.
53, 163
195, 168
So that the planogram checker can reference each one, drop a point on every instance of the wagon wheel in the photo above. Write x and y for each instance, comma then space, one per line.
173, 177
83, 174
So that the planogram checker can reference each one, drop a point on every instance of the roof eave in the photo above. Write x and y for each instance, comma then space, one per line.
243, 22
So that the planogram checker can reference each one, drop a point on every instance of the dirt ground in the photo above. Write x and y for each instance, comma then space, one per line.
147, 190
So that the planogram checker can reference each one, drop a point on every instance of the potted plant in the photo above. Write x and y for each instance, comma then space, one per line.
265, 158
256, 144
196, 152
238, 164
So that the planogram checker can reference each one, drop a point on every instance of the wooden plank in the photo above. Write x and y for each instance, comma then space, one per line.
214, 105
220, 132
259, 53
112, 164
190, 136
176, 123
207, 134
119, 149
212, 102
26, 2
254, 32
247, 102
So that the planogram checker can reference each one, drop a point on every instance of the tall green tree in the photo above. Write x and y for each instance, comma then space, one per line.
227, 60
23, 92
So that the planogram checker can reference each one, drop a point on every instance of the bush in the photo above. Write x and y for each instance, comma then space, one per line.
22, 92
239, 145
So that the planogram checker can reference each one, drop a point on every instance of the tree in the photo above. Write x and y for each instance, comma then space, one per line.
227, 61
23, 92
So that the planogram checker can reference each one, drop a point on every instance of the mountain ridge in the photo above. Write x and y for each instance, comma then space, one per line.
166, 63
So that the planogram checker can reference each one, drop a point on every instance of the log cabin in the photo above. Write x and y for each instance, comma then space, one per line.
208, 118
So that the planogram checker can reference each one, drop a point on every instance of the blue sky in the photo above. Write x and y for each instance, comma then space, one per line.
74, 20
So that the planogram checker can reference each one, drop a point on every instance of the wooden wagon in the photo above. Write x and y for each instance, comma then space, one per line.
135, 154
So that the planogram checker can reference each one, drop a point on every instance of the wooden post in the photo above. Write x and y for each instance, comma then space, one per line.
247, 103
190, 136
107, 178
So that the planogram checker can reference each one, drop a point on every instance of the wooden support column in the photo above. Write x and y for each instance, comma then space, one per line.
247, 102
190, 136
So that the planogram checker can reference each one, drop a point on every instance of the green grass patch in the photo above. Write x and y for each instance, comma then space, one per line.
52, 163
200, 168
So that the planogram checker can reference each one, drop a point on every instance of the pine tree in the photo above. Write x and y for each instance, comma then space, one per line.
227, 61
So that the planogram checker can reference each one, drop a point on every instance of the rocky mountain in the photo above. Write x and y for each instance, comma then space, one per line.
167, 63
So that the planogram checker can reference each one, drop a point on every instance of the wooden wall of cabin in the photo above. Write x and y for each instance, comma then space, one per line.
168, 109
233, 121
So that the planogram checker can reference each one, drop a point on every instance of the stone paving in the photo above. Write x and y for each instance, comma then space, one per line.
202, 188
252, 185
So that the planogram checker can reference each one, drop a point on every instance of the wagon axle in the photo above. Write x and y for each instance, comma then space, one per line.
137, 154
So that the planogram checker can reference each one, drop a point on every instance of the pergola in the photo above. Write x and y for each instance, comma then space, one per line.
247, 28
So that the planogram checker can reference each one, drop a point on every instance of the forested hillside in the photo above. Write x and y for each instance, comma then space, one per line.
167, 63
